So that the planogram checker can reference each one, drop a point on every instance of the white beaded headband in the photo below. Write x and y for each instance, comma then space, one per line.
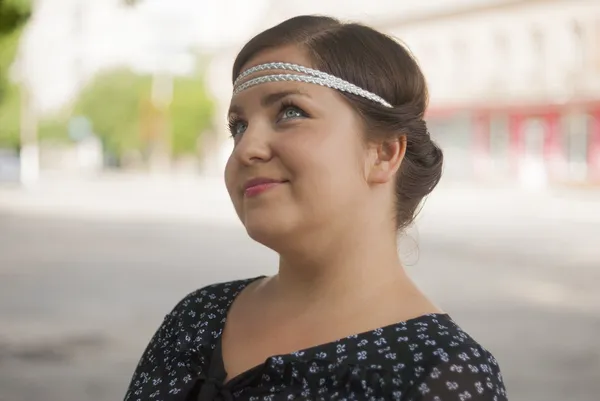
308, 75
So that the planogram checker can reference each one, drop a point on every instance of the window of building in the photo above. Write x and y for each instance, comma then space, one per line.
596, 46
538, 62
576, 130
461, 62
577, 41
500, 142
501, 55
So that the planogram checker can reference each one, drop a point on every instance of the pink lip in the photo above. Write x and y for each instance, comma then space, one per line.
257, 186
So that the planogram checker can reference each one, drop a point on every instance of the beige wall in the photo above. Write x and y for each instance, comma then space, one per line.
525, 52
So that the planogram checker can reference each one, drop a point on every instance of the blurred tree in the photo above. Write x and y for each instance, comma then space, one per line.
13, 16
190, 113
112, 102
120, 107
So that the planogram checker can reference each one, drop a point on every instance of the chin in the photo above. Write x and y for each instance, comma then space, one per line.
272, 232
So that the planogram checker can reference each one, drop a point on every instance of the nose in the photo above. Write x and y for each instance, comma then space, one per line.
254, 146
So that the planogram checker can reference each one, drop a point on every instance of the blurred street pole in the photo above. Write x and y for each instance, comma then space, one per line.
160, 146
168, 43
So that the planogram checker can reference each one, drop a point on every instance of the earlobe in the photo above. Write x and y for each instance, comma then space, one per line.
388, 158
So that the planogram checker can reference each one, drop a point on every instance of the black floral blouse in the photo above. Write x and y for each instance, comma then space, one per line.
428, 358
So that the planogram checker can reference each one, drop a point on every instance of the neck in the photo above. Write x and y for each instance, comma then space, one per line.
348, 265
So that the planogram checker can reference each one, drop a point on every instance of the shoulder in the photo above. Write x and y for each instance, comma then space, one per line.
211, 297
198, 315
189, 329
448, 364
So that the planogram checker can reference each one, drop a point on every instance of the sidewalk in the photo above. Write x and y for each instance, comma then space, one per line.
559, 205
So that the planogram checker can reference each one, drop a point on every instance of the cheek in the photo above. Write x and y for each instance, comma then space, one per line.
329, 162
306, 157
229, 175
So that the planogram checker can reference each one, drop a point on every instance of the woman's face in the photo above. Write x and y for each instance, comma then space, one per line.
298, 163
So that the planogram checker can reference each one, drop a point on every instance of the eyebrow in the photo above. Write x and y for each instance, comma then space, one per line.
270, 99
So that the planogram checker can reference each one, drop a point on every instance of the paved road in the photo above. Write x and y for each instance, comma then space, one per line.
79, 298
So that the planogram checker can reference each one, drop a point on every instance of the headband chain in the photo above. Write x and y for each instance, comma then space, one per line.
312, 76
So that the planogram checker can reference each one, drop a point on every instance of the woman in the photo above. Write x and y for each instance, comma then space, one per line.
331, 160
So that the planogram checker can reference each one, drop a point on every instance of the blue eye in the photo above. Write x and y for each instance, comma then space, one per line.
237, 127
240, 128
292, 112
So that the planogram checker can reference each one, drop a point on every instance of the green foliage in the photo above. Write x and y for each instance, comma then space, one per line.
119, 106
190, 112
117, 103
54, 130
10, 114
51, 128
112, 102
13, 16
20, 7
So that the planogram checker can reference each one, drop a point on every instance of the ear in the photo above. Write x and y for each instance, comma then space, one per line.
386, 159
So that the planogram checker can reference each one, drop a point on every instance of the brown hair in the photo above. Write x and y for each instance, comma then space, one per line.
379, 64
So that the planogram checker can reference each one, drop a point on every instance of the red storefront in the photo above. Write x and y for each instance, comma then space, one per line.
536, 144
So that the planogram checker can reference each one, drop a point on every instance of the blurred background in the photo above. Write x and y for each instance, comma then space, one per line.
112, 207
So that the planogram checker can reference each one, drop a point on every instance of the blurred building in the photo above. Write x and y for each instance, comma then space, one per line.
515, 84
515, 88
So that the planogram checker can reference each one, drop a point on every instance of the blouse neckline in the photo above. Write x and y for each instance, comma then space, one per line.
216, 368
